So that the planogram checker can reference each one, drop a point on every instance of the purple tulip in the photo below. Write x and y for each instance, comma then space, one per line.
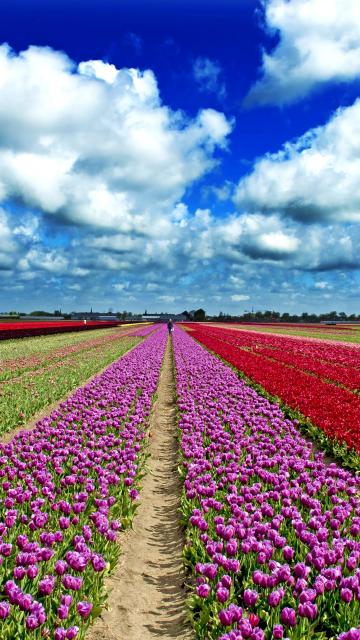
32, 622
203, 590
4, 609
84, 609
250, 597
346, 595
60, 567
288, 617
222, 594
47, 585
308, 610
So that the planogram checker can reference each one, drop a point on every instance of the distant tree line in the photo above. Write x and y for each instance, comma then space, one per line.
276, 316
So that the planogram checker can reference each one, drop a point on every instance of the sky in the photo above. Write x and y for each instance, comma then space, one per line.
176, 154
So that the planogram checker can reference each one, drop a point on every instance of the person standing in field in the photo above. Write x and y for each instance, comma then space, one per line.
170, 327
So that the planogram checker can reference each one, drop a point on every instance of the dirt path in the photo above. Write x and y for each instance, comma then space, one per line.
147, 599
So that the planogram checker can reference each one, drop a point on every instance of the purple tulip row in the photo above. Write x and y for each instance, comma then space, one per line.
145, 331
66, 489
272, 527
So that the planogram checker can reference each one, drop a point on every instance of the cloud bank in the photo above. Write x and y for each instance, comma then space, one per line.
95, 173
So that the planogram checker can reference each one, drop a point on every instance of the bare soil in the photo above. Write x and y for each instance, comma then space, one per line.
147, 596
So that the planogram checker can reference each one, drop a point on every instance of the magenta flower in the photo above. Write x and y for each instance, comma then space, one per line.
32, 622
288, 617
47, 585
60, 567
84, 609
4, 609
203, 590
98, 562
63, 612
222, 594
250, 597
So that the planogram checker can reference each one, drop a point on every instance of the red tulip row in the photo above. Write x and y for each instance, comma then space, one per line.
301, 326
334, 409
27, 329
339, 354
330, 362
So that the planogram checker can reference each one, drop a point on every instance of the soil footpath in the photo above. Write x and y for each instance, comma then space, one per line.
147, 598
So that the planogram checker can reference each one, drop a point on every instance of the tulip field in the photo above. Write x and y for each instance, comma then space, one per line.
320, 380
270, 524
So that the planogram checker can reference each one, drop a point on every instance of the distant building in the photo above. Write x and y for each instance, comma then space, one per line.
92, 315
163, 317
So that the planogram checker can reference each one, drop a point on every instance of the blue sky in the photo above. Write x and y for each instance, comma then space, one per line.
171, 155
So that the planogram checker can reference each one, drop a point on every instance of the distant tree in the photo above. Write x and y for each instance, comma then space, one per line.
40, 313
199, 315
187, 315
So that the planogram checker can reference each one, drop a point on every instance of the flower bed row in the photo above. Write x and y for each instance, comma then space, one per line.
272, 530
347, 356
301, 325
11, 330
334, 409
318, 359
18, 356
67, 488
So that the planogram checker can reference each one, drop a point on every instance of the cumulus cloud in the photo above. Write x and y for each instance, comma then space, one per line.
318, 42
208, 75
315, 178
95, 145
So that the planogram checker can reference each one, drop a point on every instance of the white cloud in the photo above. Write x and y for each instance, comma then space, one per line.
167, 298
319, 42
95, 145
99, 69
321, 284
316, 178
119, 286
208, 75
237, 297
